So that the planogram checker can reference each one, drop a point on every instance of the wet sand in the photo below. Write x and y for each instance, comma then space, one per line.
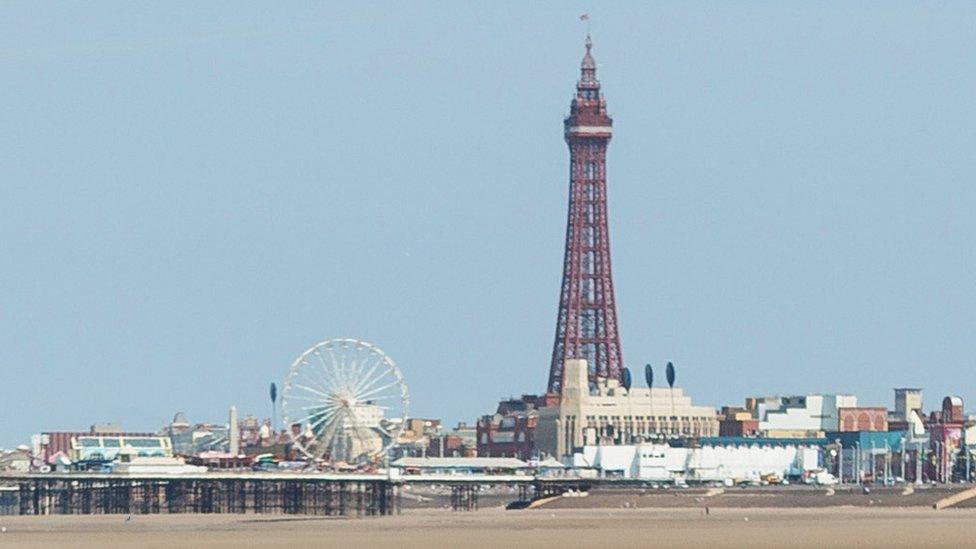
538, 528
784, 497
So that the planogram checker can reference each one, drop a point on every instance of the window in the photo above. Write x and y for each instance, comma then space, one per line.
144, 442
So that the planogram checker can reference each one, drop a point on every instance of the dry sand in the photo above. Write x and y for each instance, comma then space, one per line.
540, 528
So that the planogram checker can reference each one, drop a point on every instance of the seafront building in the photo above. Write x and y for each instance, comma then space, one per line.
510, 431
51, 447
110, 447
718, 460
611, 415
800, 416
908, 414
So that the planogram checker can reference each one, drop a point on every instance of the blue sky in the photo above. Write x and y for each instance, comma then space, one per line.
191, 195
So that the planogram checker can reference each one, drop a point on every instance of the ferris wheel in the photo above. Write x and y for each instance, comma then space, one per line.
339, 399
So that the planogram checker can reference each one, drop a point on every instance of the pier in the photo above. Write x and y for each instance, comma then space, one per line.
94, 494
352, 495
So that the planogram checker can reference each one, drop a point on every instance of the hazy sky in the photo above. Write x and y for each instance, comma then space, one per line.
191, 195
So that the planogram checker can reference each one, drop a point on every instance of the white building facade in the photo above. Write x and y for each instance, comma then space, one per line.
801, 416
710, 463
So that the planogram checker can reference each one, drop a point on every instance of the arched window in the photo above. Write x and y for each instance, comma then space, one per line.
863, 422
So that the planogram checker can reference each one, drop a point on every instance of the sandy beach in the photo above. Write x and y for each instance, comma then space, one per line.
541, 528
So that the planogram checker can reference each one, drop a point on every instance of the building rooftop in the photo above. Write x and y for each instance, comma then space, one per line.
461, 463
762, 441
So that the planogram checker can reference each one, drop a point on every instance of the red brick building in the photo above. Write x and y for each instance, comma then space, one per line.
863, 419
510, 432
738, 427
737, 422
946, 438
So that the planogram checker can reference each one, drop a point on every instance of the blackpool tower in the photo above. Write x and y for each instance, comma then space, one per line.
586, 326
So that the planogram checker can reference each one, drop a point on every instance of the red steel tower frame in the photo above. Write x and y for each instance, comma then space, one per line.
587, 323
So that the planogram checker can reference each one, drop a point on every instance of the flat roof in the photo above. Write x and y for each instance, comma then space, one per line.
461, 462
276, 476
761, 441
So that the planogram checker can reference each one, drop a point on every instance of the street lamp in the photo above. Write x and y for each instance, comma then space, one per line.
887, 478
966, 449
904, 458
874, 465
918, 462
840, 462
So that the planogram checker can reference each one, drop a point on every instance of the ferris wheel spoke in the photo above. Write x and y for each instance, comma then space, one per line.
363, 372
304, 418
327, 438
363, 357
384, 431
382, 397
318, 403
368, 384
326, 375
357, 427
311, 390
369, 375
324, 417
349, 376
314, 381
377, 390
305, 398
321, 408
318, 452
316, 417
285, 402
348, 362
356, 372
309, 374
326, 406
339, 373
333, 360
337, 369
325, 371
364, 354
367, 378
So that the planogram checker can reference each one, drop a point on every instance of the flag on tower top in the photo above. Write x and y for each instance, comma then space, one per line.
585, 17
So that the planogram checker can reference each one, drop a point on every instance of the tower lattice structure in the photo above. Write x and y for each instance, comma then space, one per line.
586, 326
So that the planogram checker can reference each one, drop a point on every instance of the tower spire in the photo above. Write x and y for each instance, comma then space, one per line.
588, 66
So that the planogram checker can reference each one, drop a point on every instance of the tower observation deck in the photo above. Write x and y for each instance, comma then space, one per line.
586, 326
